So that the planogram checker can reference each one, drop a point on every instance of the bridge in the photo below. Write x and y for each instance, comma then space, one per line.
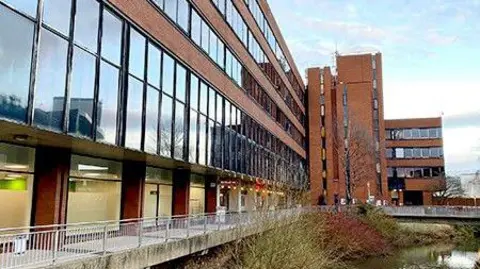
435, 214
140, 243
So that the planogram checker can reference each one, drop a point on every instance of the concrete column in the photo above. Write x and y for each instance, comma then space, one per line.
52, 169
211, 194
133, 184
239, 195
181, 192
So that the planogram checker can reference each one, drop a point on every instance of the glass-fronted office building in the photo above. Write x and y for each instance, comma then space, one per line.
124, 109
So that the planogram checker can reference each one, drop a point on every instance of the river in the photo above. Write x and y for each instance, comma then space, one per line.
438, 257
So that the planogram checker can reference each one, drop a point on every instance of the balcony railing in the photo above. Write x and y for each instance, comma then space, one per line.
40, 246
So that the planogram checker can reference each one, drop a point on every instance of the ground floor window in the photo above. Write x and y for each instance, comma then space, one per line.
94, 190
197, 194
158, 193
16, 185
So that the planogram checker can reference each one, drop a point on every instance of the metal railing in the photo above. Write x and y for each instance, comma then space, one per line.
434, 211
39, 246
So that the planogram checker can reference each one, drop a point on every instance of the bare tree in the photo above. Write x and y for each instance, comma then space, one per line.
356, 153
449, 188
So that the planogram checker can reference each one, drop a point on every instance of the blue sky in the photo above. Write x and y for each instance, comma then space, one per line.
431, 57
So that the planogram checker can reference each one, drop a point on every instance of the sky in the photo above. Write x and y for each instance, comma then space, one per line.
430, 51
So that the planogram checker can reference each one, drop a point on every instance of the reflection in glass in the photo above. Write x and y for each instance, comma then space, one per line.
16, 191
107, 104
29, 7
154, 58
167, 77
196, 31
211, 133
93, 200
197, 194
94, 168
181, 78
211, 104
16, 158
81, 94
205, 36
166, 126
193, 91
86, 23
111, 37
56, 13
171, 9
136, 64
212, 52
217, 146
50, 92
133, 128
179, 130
202, 140
219, 108
192, 149
158, 192
16, 54
203, 98
182, 14
151, 121
221, 54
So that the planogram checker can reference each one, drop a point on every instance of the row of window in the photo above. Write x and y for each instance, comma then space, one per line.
202, 34
415, 172
274, 45
414, 133
414, 153
125, 90
376, 120
236, 22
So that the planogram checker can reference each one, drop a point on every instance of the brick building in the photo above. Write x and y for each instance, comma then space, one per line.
347, 135
415, 159
141, 108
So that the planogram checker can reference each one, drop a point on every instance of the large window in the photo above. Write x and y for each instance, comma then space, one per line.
16, 50
158, 193
414, 133
50, 92
197, 194
94, 190
16, 185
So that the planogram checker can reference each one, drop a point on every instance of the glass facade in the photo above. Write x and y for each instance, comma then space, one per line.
121, 88
414, 133
16, 185
414, 153
94, 189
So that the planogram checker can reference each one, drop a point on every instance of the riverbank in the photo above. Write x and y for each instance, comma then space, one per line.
326, 240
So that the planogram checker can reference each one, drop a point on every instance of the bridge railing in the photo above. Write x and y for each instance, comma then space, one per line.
40, 246
433, 211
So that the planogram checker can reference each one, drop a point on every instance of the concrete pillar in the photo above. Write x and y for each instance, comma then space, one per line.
52, 169
133, 184
239, 195
211, 194
181, 192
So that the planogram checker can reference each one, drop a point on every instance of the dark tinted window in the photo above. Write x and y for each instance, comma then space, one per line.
16, 47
